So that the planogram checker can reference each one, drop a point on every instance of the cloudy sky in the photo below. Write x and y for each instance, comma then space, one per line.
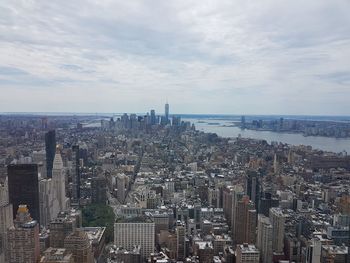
218, 56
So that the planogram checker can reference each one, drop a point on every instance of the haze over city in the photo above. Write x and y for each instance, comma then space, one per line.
174, 131
227, 57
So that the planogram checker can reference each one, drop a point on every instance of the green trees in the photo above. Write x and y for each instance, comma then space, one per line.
99, 215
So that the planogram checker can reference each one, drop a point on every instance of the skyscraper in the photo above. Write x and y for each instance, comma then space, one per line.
181, 242
50, 147
137, 231
65, 224
153, 117
24, 187
245, 218
167, 112
75, 174
6, 218
277, 219
264, 238
121, 182
49, 206
98, 190
59, 181
253, 186
23, 238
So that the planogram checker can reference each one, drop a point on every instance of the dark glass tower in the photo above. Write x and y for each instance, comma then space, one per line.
253, 186
75, 174
153, 117
167, 112
50, 146
24, 188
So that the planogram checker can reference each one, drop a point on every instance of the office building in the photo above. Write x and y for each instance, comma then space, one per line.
49, 206
253, 186
245, 222
6, 218
266, 202
137, 231
50, 147
247, 253
121, 184
166, 115
79, 245
153, 117
75, 175
23, 238
61, 227
264, 238
204, 251
97, 238
98, 190
24, 188
127, 256
313, 251
176, 121
59, 181
334, 254
181, 242
277, 219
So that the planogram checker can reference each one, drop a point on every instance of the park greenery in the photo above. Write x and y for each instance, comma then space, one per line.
99, 215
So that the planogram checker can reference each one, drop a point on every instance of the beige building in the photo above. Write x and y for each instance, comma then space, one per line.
6, 218
23, 238
60, 228
59, 182
79, 245
277, 219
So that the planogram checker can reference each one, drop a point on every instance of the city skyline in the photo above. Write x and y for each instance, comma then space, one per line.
226, 57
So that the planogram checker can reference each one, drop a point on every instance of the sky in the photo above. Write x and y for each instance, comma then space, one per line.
210, 57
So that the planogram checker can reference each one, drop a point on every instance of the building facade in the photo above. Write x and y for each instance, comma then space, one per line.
24, 188
23, 238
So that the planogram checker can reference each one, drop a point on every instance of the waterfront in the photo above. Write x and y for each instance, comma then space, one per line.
224, 128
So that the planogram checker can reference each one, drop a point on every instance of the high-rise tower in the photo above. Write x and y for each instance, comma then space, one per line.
167, 112
75, 174
23, 238
277, 219
264, 238
153, 117
6, 218
24, 187
59, 181
50, 147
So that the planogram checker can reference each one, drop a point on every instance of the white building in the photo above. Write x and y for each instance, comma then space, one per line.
247, 254
49, 207
138, 231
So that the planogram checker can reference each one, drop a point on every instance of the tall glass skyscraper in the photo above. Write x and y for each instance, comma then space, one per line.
50, 146
24, 188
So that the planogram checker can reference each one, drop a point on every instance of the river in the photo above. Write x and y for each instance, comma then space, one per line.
317, 142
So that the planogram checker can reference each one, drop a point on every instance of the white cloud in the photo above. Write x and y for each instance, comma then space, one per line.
270, 56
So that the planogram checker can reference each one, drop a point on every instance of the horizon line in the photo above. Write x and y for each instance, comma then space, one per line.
68, 113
